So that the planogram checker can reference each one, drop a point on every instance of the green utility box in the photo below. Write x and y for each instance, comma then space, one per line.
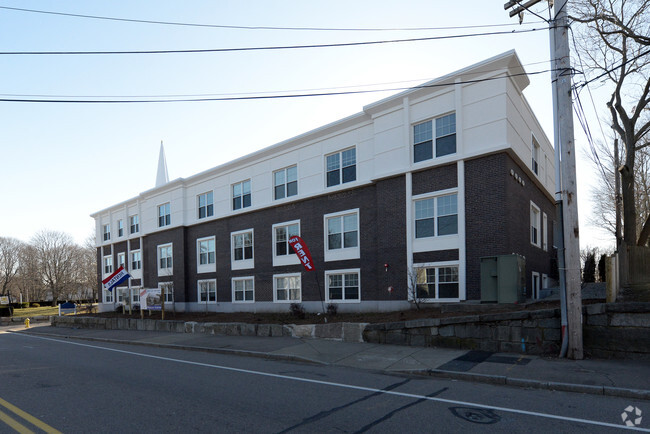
503, 279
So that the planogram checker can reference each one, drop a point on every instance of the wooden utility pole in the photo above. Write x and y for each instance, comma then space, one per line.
563, 116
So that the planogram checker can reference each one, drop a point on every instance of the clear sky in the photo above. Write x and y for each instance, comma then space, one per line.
59, 162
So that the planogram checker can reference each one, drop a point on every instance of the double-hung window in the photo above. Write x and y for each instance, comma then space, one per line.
106, 230
136, 260
343, 286
207, 291
436, 216
206, 205
134, 221
241, 195
164, 215
341, 167
287, 288
342, 235
165, 263
167, 290
444, 139
120, 228
535, 154
243, 290
206, 255
108, 265
285, 182
535, 235
242, 249
121, 260
437, 282
283, 253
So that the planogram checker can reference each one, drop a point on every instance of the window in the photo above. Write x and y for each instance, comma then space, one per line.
136, 260
134, 221
243, 290
165, 265
285, 182
445, 138
207, 291
282, 235
167, 291
120, 228
164, 215
242, 250
135, 296
121, 260
342, 235
544, 232
107, 232
534, 225
343, 231
341, 167
437, 282
108, 265
535, 284
206, 206
535, 152
205, 252
241, 195
108, 296
122, 294
436, 216
342, 286
286, 288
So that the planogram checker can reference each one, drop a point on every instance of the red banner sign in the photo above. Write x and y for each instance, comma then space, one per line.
302, 251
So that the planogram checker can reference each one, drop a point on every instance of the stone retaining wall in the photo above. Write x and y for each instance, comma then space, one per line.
617, 330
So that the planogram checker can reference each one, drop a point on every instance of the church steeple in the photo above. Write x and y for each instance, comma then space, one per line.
161, 177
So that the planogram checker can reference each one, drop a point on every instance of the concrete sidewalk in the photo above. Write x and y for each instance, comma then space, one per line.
623, 378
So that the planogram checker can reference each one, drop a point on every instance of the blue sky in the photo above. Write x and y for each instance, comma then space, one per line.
60, 162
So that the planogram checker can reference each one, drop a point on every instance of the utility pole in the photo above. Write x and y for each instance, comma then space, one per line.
563, 117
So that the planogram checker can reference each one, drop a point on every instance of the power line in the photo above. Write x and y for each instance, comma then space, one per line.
223, 26
285, 47
261, 97
354, 86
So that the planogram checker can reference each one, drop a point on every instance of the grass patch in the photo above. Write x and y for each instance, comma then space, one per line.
36, 311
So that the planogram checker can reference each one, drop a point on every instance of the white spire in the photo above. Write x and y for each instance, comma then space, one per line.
162, 178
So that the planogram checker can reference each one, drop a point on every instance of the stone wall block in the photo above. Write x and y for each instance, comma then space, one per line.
630, 319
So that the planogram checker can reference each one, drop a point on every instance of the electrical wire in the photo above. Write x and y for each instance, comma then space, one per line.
222, 26
261, 97
285, 47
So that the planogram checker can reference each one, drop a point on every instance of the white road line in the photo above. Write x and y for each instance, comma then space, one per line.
350, 386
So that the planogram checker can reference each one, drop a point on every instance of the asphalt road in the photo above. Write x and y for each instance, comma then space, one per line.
50, 385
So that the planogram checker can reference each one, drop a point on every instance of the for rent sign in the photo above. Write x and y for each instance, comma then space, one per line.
302, 251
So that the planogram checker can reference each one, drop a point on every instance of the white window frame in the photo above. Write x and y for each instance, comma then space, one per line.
106, 232
120, 228
434, 137
535, 285
139, 261
275, 288
535, 152
290, 258
210, 267
341, 167
436, 242
208, 292
535, 225
122, 293
286, 183
242, 279
134, 224
437, 266
343, 253
105, 265
436, 227
164, 219
107, 296
544, 232
121, 260
242, 195
209, 206
165, 293
342, 272
166, 271
135, 295
242, 264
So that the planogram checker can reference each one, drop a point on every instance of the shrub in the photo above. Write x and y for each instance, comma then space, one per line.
36, 305
332, 309
297, 310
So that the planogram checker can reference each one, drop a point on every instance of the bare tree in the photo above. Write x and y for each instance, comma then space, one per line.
417, 289
55, 252
614, 39
9, 261
28, 280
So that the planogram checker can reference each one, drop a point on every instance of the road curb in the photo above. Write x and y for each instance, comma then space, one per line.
620, 392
